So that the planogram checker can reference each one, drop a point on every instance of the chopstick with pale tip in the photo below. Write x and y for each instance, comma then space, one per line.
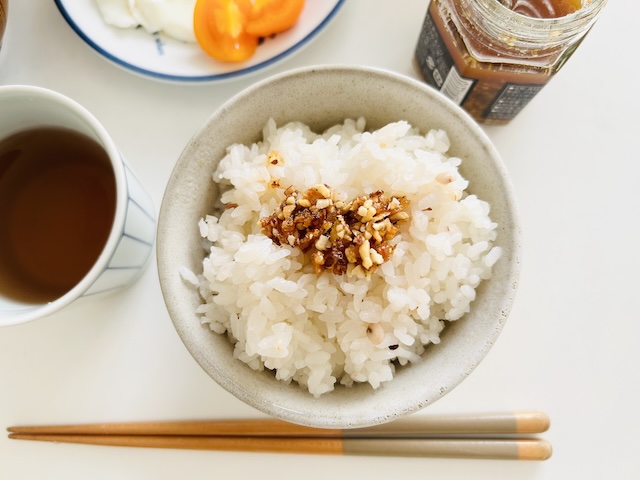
489, 436
511, 423
498, 449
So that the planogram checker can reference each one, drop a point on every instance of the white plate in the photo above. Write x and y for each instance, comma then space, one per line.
160, 57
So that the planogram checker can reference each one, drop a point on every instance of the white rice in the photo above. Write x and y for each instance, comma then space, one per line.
312, 329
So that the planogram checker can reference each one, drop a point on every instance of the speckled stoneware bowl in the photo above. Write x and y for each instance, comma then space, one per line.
321, 97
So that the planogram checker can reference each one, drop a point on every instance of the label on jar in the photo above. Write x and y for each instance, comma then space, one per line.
487, 97
510, 100
437, 65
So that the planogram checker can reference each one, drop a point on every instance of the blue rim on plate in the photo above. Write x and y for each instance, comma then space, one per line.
131, 66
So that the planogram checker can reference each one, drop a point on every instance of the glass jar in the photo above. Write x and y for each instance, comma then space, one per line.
3, 18
493, 56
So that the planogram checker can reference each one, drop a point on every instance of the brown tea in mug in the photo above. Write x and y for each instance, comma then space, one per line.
57, 205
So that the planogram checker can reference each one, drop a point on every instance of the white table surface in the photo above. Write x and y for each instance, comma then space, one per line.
570, 346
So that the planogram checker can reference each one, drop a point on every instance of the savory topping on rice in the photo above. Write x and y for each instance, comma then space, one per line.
349, 237
328, 286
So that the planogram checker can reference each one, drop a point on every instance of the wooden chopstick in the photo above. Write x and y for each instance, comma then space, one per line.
414, 426
503, 449
491, 436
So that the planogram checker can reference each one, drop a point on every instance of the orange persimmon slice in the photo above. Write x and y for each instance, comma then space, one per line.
269, 17
219, 27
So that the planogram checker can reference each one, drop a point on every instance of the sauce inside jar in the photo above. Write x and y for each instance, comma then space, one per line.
543, 8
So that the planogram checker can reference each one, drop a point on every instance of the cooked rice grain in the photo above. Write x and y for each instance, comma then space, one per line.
319, 330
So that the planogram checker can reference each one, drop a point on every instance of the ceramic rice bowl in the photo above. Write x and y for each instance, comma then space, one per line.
322, 97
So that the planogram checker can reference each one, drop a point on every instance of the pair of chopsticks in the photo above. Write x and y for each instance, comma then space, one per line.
491, 436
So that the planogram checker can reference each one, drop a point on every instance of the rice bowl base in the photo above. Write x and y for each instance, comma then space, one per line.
321, 97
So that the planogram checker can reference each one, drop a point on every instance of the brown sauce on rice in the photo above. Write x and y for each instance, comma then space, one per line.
341, 237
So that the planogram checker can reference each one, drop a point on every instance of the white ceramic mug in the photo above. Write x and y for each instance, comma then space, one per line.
131, 238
